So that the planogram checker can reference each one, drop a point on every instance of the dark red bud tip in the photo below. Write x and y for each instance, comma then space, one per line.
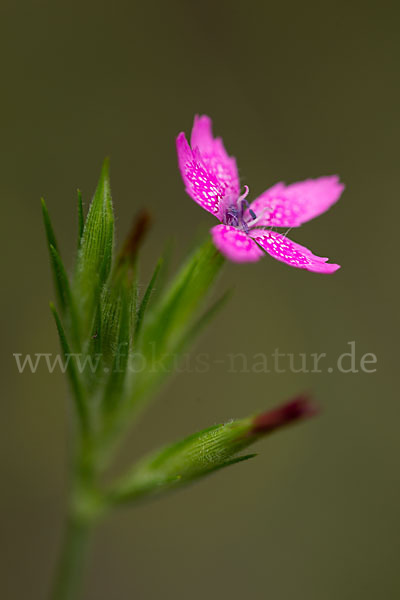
295, 410
137, 233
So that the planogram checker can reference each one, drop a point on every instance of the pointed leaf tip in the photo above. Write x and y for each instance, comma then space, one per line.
106, 166
50, 235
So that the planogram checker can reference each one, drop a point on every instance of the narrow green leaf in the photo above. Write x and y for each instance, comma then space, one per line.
201, 269
65, 298
81, 219
169, 325
59, 276
145, 300
114, 326
158, 346
92, 353
77, 389
162, 278
111, 306
178, 306
60, 279
115, 384
51, 238
95, 254
161, 331
96, 337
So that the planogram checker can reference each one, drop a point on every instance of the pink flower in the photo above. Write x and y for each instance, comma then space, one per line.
246, 231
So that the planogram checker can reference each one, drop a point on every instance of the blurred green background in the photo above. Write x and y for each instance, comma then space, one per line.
297, 90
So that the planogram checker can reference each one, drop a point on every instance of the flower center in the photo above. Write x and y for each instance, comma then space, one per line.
234, 214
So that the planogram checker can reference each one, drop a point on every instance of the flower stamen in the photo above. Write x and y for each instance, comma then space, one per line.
256, 218
245, 194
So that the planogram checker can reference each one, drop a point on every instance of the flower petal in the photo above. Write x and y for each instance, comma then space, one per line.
201, 185
235, 244
292, 205
283, 249
214, 155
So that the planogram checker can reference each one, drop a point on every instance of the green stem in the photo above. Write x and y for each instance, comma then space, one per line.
73, 555
85, 507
